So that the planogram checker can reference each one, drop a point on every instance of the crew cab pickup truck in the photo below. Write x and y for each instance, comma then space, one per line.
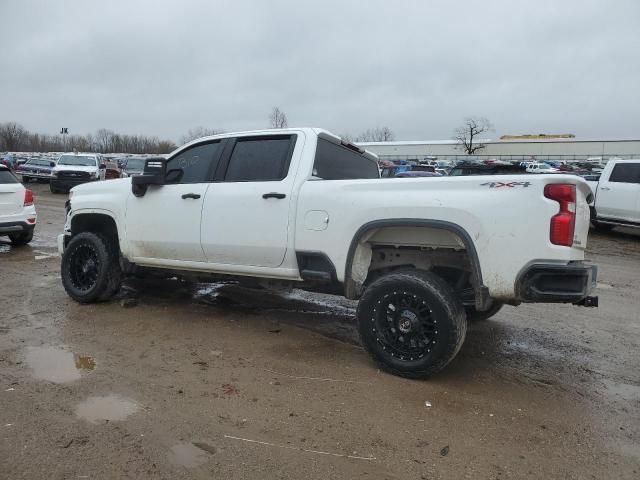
75, 168
617, 196
303, 208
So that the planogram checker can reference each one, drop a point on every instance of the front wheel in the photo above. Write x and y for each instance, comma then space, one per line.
53, 188
602, 227
474, 315
411, 323
90, 268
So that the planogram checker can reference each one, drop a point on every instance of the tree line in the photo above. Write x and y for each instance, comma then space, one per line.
15, 138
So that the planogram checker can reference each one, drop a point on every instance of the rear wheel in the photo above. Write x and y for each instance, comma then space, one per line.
22, 238
53, 188
474, 315
412, 323
26, 179
90, 268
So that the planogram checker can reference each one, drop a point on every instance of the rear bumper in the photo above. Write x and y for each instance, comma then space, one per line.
15, 227
553, 283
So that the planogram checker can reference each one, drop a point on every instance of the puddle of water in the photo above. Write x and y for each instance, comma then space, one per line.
56, 364
187, 455
111, 407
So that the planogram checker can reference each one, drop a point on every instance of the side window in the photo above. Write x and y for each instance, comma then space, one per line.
198, 163
335, 162
260, 159
7, 177
626, 173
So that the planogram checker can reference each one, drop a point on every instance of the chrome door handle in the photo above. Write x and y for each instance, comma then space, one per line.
605, 188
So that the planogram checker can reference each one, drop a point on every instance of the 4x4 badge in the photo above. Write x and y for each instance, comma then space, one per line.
507, 184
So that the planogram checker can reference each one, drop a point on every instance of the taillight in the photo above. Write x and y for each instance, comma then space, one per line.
28, 197
563, 223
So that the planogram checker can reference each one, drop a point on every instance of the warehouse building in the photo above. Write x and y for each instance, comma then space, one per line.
541, 147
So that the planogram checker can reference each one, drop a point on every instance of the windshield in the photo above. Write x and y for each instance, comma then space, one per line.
79, 160
44, 163
135, 164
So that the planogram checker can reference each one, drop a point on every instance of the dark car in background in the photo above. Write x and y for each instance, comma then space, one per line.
112, 170
35, 168
134, 166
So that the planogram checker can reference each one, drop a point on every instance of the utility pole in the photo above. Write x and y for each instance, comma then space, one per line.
64, 131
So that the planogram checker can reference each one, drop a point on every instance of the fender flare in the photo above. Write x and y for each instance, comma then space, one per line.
481, 292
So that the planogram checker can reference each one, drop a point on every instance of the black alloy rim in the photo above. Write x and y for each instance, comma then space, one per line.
84, 266
404, 325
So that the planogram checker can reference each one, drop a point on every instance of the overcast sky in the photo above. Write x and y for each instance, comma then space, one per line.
419, 67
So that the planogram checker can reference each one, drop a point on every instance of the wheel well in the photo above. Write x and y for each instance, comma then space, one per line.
97, 223
436, 246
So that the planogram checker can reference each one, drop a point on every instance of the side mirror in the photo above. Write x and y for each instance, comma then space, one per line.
154, 174
52, 164
102, 166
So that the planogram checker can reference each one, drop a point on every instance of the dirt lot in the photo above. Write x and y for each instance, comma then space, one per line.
212, 381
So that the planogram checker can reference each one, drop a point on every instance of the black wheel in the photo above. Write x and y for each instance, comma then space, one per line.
90, 268
474, 315
53, 188
26, 179
22, 238
602, 227
412, 323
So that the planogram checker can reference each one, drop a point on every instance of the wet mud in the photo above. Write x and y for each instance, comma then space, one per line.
220, 381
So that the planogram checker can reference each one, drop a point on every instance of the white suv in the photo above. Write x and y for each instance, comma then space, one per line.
17, 211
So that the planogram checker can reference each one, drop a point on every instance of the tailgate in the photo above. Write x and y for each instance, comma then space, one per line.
11, 198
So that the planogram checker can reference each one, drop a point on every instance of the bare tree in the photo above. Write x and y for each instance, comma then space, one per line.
466, 135
198, 132
278, 119
378, 134
11, 135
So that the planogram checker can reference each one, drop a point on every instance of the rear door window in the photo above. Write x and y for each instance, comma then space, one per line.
260, 159
336, 162
7, 177
626, 173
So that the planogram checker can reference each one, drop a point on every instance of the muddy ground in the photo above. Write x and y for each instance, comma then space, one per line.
213, 381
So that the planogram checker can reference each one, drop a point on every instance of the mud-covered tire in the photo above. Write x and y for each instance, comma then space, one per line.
22, 238
90, 268
429, 305
602, 227
474, 315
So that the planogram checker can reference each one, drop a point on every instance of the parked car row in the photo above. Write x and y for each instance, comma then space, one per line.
70, 169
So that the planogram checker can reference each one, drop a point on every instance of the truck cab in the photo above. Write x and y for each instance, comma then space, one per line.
617, 195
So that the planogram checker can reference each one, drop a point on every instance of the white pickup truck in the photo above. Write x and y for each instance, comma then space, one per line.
617, 195
303, 208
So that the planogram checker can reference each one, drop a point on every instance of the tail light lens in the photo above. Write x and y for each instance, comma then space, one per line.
563, 223
28, 197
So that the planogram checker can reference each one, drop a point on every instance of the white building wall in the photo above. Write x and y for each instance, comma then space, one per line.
581, 148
